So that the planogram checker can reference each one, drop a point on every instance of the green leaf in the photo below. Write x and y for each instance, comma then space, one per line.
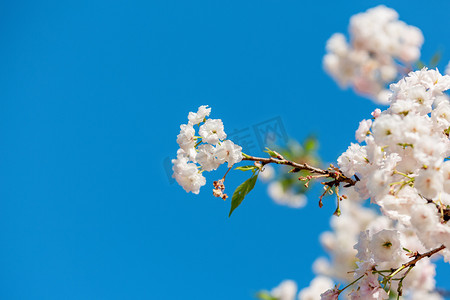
271, 152
242, 191
435, 60
310, 144
265, 296
246, 168
286, 183
420, 64
245, 155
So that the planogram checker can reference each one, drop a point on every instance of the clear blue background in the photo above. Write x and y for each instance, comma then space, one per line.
92, 94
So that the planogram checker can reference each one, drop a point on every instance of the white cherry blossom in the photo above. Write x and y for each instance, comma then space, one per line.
212, 131
200, 115
229, 152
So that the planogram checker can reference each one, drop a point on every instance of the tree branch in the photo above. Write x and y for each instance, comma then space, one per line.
333, 173
417, 257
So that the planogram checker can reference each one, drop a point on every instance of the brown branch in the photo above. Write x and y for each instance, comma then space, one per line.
417, 257
426, 254
333, 173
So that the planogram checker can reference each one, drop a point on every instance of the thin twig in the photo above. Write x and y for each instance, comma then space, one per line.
333, 173
417, 257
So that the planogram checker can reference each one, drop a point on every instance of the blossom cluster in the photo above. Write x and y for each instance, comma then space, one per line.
372, 241
202, 153
378, 43
402, 163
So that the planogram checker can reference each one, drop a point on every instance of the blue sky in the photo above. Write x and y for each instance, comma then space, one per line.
92, 94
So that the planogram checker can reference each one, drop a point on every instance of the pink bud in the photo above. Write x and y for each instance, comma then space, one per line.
376, 113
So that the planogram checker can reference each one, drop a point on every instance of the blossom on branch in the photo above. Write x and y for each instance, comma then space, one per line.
401, 163
209, 151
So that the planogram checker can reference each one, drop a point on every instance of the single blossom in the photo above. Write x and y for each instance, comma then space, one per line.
206, 157
229, 152
186, 139
212, 132
332, 294
363, 130
200, 115
385, 245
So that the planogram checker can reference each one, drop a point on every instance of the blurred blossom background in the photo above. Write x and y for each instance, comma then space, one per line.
92, 94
